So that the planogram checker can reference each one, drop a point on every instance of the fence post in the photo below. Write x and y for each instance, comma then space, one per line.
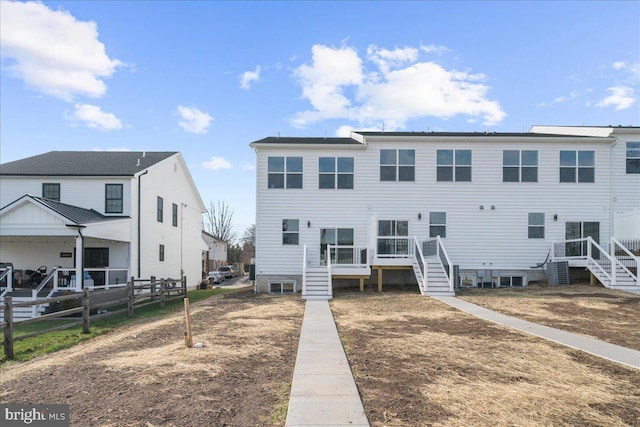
184, 286
85, 311
130, 295
153, 288
163, 287
8, 329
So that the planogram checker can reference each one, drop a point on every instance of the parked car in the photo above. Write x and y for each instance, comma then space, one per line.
216, 277
227, 271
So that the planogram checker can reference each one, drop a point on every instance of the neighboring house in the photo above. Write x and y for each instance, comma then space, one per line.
433, 208
109, 215
217, 253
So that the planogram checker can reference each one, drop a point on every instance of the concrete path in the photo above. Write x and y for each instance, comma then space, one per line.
593, 346
323, 392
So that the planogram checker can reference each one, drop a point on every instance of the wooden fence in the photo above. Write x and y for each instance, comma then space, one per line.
138, 293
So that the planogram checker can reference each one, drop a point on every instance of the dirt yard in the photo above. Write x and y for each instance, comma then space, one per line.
416, 362
142, 375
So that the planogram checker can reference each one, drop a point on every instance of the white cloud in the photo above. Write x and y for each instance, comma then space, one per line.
249, 167
52, 52
215, 163
432, 48
193, 120
396, 88
620, 97
93, 117
248, 77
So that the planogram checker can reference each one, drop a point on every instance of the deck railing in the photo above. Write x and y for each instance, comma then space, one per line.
624, 253
394, 247
6, 280
304, 270
344, 255
108, 277
590, 251
422, 266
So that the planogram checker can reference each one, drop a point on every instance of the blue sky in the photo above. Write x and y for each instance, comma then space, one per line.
207, 78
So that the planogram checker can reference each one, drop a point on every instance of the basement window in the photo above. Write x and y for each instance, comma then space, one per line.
510, 281
282, 287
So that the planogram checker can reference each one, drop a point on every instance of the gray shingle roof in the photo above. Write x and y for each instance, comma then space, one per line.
464, 134
305, 140
85, 163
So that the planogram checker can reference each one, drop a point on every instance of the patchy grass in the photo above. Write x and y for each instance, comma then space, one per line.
57, 340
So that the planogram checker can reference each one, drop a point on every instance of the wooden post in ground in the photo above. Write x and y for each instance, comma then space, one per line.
592, 279
130, 296
380, 279
188, 339
153, 288
361, 284
85, 311
163, 289
8, 329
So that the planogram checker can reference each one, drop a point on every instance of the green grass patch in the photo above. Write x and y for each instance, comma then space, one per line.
57, 340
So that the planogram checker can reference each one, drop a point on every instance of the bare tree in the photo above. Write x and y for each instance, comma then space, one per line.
249, 244
219, 219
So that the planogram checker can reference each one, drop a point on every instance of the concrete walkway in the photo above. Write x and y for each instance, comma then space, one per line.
323, 392
593, 346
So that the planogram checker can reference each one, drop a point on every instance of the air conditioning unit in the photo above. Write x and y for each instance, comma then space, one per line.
558, 273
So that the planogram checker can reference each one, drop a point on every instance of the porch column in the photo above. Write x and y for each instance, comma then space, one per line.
79, 263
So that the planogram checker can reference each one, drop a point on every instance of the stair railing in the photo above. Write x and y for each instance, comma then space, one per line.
304, 270
446, 262
417, 251
329, 279
634, 261
605, 263
6, 275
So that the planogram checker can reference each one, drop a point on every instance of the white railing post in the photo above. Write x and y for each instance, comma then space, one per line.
304, 270
589, 243
330, 284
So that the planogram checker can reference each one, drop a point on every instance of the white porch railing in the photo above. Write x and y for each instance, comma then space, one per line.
422, 265
113, 278
598, 261
6, 280
304, 270
625, 258
394, 247
435, 247
329, 278
352, 256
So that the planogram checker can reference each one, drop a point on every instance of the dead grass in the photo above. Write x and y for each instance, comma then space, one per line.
594, 311
419, 362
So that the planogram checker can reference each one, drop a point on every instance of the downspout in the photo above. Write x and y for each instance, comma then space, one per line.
139, 219
611, 195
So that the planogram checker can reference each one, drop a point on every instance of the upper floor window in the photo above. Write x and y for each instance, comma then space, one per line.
453, 165
335, 172
51, 191
577, 166
290, 231
113, 198
160, 211
536, 225
284, 172
161, 253
520, 166
633, 157
397, 165
174, 214
437, 224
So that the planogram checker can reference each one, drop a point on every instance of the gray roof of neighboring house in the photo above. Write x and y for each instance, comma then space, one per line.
305, 140
85, 163
73, 213
464, 134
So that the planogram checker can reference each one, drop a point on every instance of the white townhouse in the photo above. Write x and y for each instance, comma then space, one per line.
436, 208
216, 256
96, 219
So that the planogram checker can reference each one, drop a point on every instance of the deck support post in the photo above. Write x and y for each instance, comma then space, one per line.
379, 279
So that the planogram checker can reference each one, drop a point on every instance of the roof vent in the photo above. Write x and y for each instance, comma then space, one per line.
138, 162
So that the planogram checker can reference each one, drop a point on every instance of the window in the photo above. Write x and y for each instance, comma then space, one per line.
160, 209
113, 198
536, 225
510, 281
51, 191
161, 252
438, 224
335, 172
174, 216
633, 157
520, 166
397, 165
392, 237
286, 287
577, 166
290, 231
284, 172
453, 165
